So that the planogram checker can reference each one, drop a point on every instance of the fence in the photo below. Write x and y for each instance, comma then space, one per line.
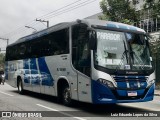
152, 26
149, 25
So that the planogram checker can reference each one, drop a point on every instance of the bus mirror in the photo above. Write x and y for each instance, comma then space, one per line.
92, 40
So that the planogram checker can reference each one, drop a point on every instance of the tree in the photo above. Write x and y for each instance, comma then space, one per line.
2, 59
119, 11
154, 7
155, 49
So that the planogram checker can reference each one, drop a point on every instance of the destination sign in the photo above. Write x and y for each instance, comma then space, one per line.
108, 36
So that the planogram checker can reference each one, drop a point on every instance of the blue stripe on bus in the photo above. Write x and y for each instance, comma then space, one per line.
132, 28
33, 64
45, 73
123, 26
26, 64
26, 67
111, 25
31, 72
34, 75
34, 72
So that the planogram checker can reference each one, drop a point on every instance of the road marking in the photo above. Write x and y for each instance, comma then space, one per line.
69, 115
6, 93
142, 107
47, 107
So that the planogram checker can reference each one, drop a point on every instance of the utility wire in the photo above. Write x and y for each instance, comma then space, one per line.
51, 15
70, 8
60, 9
18, 28
21, 27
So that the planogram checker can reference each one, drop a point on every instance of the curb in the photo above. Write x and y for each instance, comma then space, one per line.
156, 94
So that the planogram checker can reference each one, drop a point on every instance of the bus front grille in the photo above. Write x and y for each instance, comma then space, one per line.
131, 82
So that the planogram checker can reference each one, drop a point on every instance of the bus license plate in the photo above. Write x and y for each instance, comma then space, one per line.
132, 93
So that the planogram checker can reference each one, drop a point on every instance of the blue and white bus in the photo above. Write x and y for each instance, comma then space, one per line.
92, 61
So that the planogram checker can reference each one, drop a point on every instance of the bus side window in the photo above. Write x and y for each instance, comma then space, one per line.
22, 50
80, 49
59, 42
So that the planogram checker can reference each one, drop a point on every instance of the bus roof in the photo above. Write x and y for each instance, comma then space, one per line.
116, 25
89, 22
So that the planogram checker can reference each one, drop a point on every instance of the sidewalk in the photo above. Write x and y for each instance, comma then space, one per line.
157, 87
157, 92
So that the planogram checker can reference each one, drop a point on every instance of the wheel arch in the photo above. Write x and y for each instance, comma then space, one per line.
61, 83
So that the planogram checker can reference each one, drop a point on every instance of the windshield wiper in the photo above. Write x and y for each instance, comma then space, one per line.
122, 57
138, 60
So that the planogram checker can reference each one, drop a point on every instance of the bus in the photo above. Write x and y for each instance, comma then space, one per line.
93, 61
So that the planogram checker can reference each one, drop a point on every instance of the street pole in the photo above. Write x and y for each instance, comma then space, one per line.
43, 21
7, 42
31, 28
5, 39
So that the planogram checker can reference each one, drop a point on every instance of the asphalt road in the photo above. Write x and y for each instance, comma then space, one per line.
25, 105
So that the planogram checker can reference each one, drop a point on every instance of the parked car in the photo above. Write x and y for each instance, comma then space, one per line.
2, 79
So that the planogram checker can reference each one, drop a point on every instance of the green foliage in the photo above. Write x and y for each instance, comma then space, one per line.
154, 7
2, 59
155, 47
119, 11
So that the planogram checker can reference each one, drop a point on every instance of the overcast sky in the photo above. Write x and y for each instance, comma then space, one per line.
15, 14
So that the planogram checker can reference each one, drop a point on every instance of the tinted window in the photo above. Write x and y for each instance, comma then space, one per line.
55, 43
80, 49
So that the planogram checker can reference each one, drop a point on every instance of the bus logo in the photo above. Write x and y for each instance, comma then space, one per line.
6, 114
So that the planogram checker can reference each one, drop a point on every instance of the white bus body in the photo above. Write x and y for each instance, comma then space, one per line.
73, 73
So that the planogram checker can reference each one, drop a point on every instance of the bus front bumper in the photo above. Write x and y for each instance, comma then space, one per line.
103, 95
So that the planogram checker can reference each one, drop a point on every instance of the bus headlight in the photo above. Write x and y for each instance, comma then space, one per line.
106, 83
150, 82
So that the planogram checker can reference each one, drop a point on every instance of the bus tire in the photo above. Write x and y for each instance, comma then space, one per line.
20, 86
66, 96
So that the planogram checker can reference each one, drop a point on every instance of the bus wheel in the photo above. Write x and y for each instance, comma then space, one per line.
20, 87
67, 96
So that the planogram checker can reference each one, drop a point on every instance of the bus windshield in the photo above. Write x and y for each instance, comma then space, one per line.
140, 54
114, 49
